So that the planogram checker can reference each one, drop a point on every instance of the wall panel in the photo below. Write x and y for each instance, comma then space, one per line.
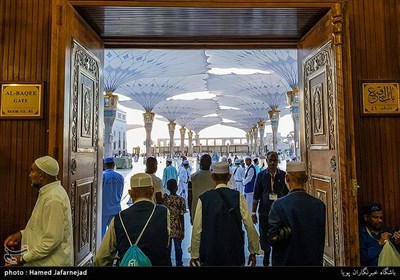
374, 47
33, 44
24, 57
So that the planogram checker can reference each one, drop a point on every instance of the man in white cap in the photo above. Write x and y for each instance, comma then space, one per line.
47, 238
297, 223
183, 175
217, 235
238, 173
169, 172
155, 238
248, 182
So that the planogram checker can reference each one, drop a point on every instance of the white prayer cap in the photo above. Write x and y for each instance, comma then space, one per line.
248, 157
141, 180
220, 168
296, 166
237, 161
185, 161
48, 165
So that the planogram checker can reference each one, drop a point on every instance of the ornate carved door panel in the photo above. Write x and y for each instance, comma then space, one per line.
320, 125
84, 133
318, 55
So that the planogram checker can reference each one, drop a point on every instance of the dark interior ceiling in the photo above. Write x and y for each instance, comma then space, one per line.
175, 27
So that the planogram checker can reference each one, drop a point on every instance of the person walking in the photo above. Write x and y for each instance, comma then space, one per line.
155, 239
256, 165
151, 169
199, 182
47, 237
183, 175
169, 172
248, 182
177, 208
269, 186
215, 158
217, 235
297, 223
113, 188
238, 174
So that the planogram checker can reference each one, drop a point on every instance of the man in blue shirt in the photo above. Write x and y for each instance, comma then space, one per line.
373, 235
113, 187
169, 172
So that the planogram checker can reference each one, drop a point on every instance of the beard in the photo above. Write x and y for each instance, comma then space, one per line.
36, 185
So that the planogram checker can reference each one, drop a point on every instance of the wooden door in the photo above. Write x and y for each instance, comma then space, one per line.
76, 121
83, 156
326, 146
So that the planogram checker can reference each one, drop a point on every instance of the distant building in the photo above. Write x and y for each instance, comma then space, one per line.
119, 145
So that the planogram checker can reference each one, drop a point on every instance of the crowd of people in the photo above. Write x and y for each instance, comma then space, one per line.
226, 201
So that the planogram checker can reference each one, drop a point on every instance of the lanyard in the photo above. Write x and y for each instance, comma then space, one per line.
272, 181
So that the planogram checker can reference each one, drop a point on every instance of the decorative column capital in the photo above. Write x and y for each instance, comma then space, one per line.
148, 117
110, 101
261, 124
293, 101
110, 108
190, 134
182, 130
274, 116
171, 126
293, 97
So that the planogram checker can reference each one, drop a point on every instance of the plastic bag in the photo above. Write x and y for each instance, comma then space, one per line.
389, 256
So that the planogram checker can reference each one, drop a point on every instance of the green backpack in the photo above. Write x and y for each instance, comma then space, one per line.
135, 256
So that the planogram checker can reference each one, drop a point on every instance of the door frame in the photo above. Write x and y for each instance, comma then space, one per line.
348, 251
